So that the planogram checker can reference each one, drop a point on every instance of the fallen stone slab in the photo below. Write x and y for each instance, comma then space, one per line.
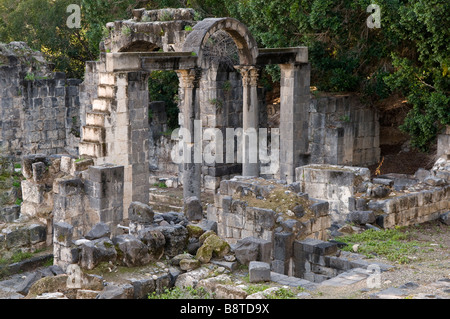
98, 231
230, 265
292, 281
28, 282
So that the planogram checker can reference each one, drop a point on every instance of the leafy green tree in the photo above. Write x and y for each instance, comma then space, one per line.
42, 25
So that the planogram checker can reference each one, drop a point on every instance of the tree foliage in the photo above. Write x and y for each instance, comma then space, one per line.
408, 54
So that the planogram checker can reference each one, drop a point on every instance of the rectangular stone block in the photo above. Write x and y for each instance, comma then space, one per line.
63, 233
280, 266
283, 246
259, 271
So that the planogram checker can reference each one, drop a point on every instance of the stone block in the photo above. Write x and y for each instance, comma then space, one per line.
9, 213
140, 213
325, 248
280, 266
143, 287
193, 208
320, 208
98, 231
308, 245
31, 192
176, 237
62, 233
362, 217
131, 252
39, 169
94, 252
38, 233
69, 187
259, 271
283, 246
17, 238
252, 249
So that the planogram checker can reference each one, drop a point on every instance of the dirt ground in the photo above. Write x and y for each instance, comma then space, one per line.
430, 264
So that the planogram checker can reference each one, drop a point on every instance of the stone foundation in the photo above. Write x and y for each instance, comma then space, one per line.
241, 210
335, 184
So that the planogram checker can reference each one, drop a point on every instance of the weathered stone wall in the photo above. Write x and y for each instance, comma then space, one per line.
45, 115
40, 109
60, 188
237, 218
409, 209
88, 89
343, 131
335, 184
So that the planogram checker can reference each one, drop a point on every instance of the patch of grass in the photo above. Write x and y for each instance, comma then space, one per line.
392, 244
18, 201
19, 256
182, 293
188, 28
160, 185
282, 293
48, 263
30, 77
255, 288
17, 165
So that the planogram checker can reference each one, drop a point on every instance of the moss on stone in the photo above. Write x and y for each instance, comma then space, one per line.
194, 231
213, 246
205, 235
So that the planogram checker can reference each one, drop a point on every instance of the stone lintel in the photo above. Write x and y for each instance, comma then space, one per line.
149, 61
282, 56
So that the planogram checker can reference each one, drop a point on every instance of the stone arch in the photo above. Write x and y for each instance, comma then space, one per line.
246, 44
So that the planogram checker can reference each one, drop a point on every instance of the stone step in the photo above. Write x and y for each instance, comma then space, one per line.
92, 149
106, 79
106, 91
93, 133
102, 105
292, 281
95, 118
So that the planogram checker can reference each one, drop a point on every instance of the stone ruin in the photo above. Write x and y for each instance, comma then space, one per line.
89, 156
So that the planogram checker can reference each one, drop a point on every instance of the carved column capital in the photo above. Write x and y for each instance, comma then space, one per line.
189, 78
249, 74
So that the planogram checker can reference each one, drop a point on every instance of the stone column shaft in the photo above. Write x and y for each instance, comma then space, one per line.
250, 118
294, 104
191, 166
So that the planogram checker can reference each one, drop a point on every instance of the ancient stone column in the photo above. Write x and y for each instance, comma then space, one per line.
294, 93
250, 118
192, 162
